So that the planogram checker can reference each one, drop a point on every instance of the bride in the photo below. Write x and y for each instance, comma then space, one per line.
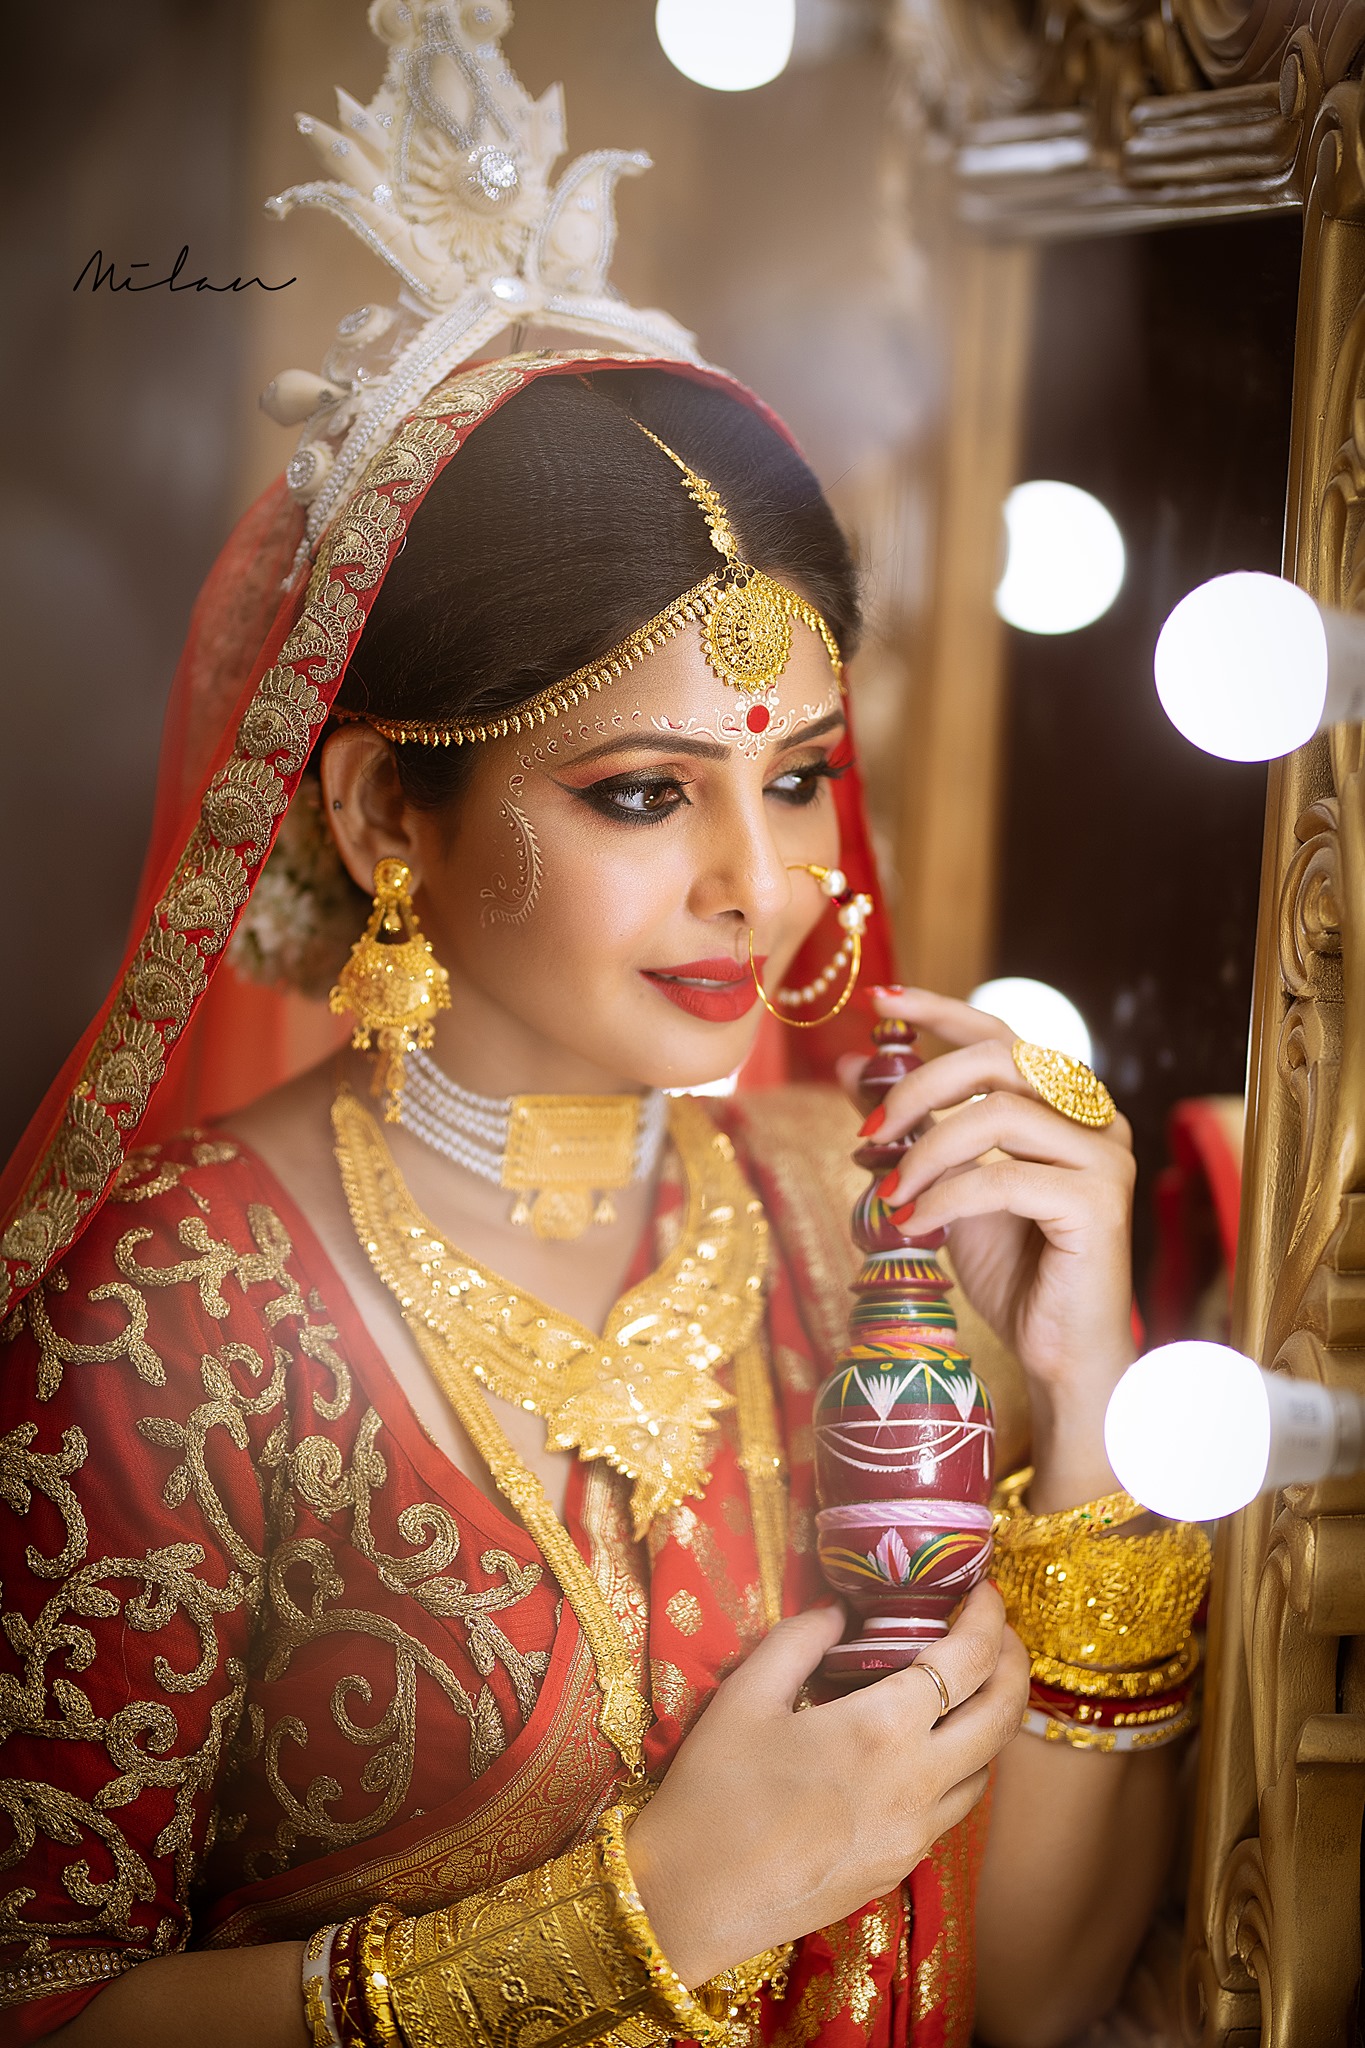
411, 1620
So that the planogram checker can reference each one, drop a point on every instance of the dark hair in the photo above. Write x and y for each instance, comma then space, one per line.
558, 530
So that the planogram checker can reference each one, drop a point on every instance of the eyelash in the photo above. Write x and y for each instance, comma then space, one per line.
606, 797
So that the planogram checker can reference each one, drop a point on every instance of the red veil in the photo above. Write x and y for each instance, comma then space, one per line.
181, 1037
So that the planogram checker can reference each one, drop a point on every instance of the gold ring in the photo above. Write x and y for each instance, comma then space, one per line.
1065, 1084
945, 1702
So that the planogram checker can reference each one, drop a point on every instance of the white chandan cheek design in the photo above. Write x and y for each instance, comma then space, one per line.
511, 900
734, 728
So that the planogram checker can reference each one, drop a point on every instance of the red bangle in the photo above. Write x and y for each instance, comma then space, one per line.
1093, 1713
348, 2003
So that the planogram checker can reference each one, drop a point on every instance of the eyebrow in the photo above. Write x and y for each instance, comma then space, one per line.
699, 750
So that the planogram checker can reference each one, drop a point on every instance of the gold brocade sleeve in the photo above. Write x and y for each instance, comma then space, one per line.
564, 1954
544, 1946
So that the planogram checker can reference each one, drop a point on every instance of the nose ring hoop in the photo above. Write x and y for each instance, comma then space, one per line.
854, 911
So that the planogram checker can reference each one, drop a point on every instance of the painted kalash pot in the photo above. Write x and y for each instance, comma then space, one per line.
904, 1437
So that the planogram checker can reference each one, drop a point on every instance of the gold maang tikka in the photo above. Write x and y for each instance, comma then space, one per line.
746, 620
392, 984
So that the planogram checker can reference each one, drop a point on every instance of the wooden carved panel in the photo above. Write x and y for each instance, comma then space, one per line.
1082, 116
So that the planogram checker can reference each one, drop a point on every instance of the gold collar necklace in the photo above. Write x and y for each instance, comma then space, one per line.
643, 1395
561, 1156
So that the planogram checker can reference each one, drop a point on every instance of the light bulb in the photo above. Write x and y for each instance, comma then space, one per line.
1037, 1012
1064, 562
730, 45
1195, 1431
1241, 667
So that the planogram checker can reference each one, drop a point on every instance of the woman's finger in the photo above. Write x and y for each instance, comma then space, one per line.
980, 1728
1058, 1199
958, 1023
964, 1660
1012, 1124
955, 1078
774, 1672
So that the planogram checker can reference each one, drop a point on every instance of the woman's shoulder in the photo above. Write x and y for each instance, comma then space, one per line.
189, 1252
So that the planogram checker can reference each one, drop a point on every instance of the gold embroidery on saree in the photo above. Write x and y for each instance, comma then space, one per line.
849, 1985
684, 1611
44, 1697
279, 724
56, 1352
209, 887
24, 1472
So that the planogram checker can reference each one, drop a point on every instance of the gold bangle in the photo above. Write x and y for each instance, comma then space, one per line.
684, 2015
1079, 1593
1014, 1523
376, 1996
1143, 1684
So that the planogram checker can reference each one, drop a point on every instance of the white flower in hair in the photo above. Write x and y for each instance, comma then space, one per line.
445, 176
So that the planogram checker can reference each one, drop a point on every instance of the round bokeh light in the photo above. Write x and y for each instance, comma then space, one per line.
1188, 1431
730, 45
1064, 562
1241, 667
1036, 1011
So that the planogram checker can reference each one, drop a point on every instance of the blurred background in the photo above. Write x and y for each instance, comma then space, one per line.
1036, 816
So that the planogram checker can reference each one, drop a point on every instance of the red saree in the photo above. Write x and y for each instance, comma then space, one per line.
265, 1653
270, 1655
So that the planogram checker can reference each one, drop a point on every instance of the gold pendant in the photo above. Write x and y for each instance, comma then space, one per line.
643, 1395
562, 1150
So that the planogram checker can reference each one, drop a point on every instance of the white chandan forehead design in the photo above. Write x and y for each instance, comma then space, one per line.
445, 176
751, 740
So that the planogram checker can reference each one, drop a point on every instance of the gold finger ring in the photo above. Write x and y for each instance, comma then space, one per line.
945, 1702
1066, 1084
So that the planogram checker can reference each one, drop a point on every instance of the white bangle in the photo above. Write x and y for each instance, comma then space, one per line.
1110, 1741
316, 1984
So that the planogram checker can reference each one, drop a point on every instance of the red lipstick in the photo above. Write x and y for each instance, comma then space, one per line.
718, 991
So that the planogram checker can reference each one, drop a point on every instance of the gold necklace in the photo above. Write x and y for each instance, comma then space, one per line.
623, 1716
643, 1395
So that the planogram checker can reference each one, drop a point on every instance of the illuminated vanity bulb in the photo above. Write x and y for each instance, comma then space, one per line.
1241, 667
1037, 1012
1195, 1431
1064, 561
730, 45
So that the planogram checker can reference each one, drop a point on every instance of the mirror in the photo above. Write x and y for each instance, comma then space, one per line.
1160, 380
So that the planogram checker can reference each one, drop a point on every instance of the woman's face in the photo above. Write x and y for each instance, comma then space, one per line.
593, 890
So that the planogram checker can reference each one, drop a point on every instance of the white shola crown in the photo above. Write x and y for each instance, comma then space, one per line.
445, 175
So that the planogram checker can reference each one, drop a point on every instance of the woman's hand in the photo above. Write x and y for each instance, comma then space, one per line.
1038, 1211
773, 1822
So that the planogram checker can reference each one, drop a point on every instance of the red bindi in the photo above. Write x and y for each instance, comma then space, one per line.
758, 717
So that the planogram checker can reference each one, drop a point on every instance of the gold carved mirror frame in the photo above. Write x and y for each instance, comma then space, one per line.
1081, 117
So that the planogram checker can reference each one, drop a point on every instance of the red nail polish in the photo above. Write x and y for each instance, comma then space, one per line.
900, 1217
873, 1123
888, 988
887, 1186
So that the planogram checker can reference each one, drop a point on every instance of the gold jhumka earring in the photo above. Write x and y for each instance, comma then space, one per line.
393, 984
853, 915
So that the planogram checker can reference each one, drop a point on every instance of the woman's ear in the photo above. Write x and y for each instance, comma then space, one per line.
364, 805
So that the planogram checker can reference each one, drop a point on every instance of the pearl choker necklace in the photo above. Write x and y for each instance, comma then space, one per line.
559, 1154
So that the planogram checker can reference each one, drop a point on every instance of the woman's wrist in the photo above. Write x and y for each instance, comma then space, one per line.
1069, 1461
681, 1932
